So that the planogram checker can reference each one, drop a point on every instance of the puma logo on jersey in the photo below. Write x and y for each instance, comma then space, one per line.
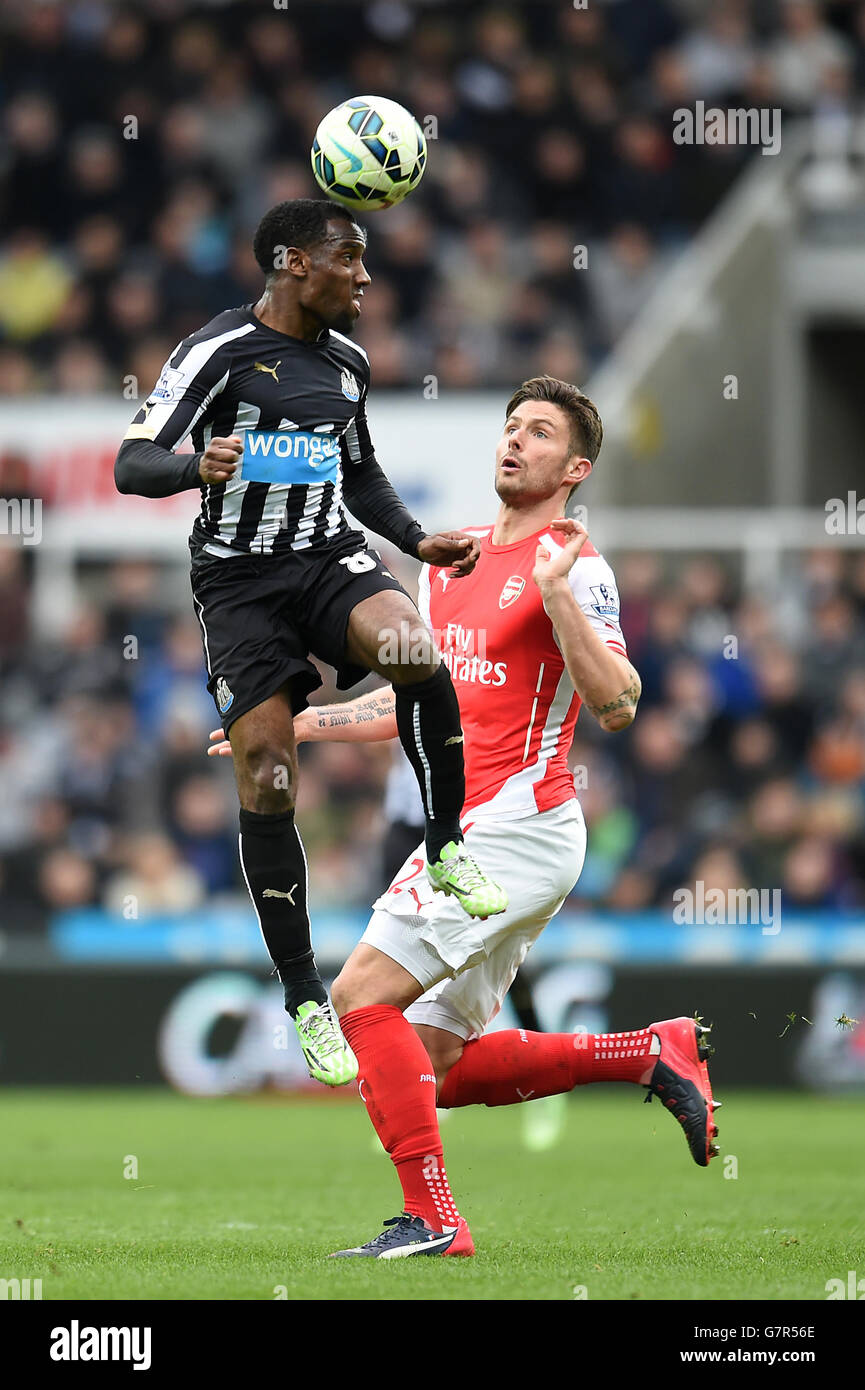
275, 893
260, 367
455, 739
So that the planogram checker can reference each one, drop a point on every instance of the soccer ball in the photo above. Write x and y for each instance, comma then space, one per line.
368, 153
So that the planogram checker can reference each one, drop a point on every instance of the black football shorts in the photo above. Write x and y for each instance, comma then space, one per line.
262, 615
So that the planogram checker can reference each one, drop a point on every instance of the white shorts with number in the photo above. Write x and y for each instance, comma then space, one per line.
467, 966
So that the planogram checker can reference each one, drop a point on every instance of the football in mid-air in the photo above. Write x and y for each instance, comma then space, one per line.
368, 153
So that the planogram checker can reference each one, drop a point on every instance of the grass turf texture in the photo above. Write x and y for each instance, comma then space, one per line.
237, 1197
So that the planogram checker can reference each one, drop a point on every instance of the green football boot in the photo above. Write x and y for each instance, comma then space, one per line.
328, 1055
457, 873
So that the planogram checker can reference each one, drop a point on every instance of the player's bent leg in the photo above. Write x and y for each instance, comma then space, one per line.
274, 867
397, 1084
437, 946
370, 977
264, 755
445, 1050
668, 1058
386, 633
509, 1067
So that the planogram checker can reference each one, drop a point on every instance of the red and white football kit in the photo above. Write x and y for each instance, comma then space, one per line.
521, 818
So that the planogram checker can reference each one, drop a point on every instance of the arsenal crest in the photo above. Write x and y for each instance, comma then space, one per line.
512, 590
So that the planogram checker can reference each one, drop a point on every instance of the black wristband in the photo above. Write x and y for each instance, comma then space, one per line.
412, 539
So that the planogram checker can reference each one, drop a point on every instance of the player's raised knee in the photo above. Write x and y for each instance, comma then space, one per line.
342, 994
408, 652
267, 778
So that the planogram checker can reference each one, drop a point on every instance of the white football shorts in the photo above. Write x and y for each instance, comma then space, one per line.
467, 966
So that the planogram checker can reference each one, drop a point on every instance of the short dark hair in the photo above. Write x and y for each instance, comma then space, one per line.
298, 222
587, 432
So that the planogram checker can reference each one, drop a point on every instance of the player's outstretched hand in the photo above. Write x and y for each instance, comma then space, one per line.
452, 548
219, 745
219, 460
303, 724
556, 565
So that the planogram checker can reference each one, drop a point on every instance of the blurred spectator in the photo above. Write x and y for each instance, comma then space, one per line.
204, 826
838, 753
835, 643
133, 606
719, 868
775, 816
34, 284
804, 52
718, 55
809, 875
66, 880
624, 272
153, 880
14, 609
785, 709
172, 678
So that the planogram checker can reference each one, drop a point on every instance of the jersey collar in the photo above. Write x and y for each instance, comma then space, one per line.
486, 542
321, 341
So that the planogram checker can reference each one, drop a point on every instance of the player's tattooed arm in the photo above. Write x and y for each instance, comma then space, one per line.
369, 719
605, 681
619, 712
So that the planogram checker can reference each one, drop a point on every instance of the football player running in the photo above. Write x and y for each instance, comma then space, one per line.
531, 635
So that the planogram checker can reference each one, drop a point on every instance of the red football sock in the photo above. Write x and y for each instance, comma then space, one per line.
397, 1084
505, 1068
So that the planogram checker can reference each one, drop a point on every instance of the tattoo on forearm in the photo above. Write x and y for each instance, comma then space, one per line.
335, 716
628, 698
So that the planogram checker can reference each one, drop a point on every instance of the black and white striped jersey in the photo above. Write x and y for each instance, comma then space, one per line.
298, 406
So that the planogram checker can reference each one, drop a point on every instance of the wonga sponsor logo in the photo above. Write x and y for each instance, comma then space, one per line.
293, 456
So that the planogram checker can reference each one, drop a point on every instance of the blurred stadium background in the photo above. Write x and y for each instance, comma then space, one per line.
710, 298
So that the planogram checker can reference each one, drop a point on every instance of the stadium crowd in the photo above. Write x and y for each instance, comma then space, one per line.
141, 143
745, 766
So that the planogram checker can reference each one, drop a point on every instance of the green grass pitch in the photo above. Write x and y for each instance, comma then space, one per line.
244, 1198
